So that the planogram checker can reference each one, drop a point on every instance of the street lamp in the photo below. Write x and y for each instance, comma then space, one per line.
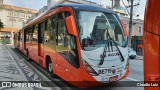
12, 19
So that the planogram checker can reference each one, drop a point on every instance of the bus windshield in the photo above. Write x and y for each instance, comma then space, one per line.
93, 28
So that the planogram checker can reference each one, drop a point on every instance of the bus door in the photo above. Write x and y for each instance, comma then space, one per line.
66, 53
41, 29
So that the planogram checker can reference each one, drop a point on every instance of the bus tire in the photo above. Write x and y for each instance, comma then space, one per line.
28, 57
50, 67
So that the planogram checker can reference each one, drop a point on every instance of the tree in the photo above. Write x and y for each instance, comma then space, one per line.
1, 25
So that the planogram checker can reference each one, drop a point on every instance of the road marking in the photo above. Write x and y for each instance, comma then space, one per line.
132, 79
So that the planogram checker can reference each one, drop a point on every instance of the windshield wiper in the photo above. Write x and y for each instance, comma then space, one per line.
107, 46
122, 58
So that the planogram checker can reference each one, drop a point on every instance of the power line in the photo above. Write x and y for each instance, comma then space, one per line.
125, 7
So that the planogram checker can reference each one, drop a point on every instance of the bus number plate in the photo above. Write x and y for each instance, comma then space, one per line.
114, 78
104, 71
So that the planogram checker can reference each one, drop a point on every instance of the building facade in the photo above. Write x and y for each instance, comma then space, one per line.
13, 18
137, 27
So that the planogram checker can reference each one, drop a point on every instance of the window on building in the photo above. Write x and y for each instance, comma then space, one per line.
17, 14
126, 26
9, 13
140, 30
133, 28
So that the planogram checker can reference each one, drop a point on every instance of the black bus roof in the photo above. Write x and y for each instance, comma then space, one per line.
84, 7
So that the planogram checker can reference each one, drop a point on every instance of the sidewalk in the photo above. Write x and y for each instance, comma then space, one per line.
14, 68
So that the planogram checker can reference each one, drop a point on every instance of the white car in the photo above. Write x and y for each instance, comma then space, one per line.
131, 53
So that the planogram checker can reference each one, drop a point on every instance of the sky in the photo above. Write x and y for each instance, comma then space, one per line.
37, 4
139, 10
32, 4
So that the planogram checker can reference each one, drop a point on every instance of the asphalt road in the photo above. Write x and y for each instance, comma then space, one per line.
136, 70
136, 74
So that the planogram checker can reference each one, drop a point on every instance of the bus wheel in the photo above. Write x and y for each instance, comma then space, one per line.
50, 68
28, 57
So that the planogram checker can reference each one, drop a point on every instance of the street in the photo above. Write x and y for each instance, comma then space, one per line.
14, 67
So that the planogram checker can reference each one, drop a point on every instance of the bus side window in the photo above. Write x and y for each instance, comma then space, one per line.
19, 36
34, 34
26, 35
30, 33
66, 44
73, 52
61, 37
41, 30
46, 28
49, 37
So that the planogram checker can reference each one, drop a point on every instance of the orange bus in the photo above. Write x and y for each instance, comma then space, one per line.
151, 40
82, 44
140, 44
137, 43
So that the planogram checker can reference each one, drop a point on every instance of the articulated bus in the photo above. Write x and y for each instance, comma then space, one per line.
82, 44
151, 43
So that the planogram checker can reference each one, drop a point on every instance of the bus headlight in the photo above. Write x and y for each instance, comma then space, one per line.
89, 69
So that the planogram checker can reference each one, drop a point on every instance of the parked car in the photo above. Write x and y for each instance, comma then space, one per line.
131, 53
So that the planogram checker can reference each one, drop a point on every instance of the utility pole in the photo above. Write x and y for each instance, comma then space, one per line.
130, 24
112, 4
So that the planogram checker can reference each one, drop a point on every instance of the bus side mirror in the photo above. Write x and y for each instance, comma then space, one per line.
124, 28
71, 26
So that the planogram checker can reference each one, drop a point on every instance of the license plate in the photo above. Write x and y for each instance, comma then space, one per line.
114, 78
